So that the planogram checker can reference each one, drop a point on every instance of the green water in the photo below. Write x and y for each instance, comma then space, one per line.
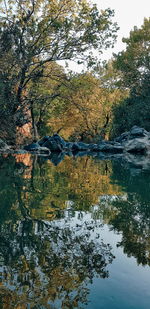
74, 234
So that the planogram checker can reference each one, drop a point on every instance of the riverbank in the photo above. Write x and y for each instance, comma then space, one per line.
133, 146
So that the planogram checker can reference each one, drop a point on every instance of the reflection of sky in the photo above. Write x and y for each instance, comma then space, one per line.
128, 284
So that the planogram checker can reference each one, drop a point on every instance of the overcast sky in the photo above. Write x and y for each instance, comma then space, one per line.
128, 13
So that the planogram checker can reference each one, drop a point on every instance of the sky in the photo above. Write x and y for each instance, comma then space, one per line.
128, 13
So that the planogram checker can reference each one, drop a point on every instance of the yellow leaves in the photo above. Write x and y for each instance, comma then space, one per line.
25, 265
82, 179
69, 281
84, 100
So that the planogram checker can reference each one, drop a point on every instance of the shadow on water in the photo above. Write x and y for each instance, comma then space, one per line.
50, 226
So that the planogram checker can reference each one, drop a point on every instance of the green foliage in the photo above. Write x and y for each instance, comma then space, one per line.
80, 105
133, 222
134, 65
34, 33
132, 111
134, 62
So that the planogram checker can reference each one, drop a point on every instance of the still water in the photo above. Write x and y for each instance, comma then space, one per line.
74, 233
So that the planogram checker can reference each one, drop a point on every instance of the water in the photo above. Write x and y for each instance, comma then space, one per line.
74, 233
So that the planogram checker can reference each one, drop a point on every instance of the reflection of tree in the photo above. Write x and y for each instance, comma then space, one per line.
45, 261
42, 256
38, 188
133, 213
42, 260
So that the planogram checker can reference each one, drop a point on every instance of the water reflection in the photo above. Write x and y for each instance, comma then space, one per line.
44, 261
51, 222
133, 218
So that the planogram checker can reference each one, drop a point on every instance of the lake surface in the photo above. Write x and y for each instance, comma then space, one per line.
74, 233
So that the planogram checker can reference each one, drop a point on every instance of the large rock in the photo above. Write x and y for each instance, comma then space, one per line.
135, 132
138, 145
59, 140
55, 143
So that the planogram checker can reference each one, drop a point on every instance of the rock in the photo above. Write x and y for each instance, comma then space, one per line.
31, 147
69, 145
43, 140
53, 145
112, 148
137, 132
42, 150
3, 145
79, 146
36, 148
59, 140
137, 140
137, 145
122, 138
133, 133
93, 147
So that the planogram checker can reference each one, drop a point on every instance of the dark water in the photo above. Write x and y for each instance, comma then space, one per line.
75, 235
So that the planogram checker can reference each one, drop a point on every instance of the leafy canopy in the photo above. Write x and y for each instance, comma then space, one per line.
134, 62
42, 31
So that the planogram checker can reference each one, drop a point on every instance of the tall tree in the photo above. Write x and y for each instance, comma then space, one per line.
78, 106
35, 32
134, 64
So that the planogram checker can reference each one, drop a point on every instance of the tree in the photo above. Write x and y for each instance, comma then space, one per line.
43, 94
77, 105
134, 64
78, 110
34, 33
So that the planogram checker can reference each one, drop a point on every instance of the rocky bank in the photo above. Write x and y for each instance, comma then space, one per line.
128, 145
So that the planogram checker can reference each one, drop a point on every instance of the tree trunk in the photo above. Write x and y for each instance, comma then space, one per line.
34, 127
20, 89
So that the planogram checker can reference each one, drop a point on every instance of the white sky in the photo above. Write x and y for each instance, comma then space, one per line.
128, 13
